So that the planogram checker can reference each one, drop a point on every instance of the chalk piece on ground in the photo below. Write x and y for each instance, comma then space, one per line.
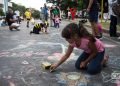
46, 65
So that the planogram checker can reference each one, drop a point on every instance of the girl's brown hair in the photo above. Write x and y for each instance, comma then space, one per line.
73, 29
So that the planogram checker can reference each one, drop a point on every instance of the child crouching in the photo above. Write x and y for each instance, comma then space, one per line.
40, 27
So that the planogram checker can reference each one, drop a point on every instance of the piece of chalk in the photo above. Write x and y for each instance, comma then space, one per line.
46, 65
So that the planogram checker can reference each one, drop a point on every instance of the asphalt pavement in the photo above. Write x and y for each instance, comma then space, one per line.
22, 54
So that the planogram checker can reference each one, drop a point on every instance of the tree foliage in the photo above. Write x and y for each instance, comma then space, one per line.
1, 12
64, 4
19, 7
36, 14
22, 9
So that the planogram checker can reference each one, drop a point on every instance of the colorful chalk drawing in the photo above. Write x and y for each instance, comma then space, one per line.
108, 79
71, 79
22, 54
19, 52
114, 62
110, 46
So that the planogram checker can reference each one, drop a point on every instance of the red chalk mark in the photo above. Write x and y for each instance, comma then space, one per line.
51, 57
118, 82
59, 55
41, 53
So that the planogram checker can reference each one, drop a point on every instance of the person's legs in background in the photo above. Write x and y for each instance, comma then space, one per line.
93, 18
113, 26
28, 22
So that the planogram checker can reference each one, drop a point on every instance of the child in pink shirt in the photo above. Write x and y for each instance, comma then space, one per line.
92, 57
57, 21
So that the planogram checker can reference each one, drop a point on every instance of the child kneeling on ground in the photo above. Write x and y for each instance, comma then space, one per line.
92, 59
40, 27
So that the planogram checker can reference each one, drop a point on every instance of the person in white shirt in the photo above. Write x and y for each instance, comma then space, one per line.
113, 20
69, 14
17, 12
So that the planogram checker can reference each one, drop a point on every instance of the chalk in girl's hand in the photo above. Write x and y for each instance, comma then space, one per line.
46, 65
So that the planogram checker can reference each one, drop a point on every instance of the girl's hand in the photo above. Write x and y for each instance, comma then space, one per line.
83, 64
53, 67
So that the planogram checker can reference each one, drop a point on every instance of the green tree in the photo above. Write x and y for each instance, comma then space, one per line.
1, 12
36, 14
19, 7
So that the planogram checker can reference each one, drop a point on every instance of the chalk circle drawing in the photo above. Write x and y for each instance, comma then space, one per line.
71, 78
106, 77
114, 62
25, 62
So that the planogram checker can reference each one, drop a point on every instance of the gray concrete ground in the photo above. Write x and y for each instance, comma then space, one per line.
22, 54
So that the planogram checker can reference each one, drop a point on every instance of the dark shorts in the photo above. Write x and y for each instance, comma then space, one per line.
93, 16
28, 19
9, 23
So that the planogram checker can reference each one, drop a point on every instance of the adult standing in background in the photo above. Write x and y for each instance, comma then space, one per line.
93, 9
45, 12
28, 16
73, 12
113, 20
41, 14
51, 16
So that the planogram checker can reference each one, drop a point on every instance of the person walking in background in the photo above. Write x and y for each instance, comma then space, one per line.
113, 20
45, 12
51, 16
42, 14
92, 9
28, 16
73, 12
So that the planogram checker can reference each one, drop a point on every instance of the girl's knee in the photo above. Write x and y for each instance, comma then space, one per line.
93, 70
77, 65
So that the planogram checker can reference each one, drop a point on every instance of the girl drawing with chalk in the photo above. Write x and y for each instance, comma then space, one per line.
92, 59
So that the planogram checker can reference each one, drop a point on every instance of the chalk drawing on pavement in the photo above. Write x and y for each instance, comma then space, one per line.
110, 45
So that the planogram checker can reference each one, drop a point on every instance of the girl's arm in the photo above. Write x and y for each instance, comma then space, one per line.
66, 56
93, 53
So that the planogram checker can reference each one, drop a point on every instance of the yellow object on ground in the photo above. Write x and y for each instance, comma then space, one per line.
46, 65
